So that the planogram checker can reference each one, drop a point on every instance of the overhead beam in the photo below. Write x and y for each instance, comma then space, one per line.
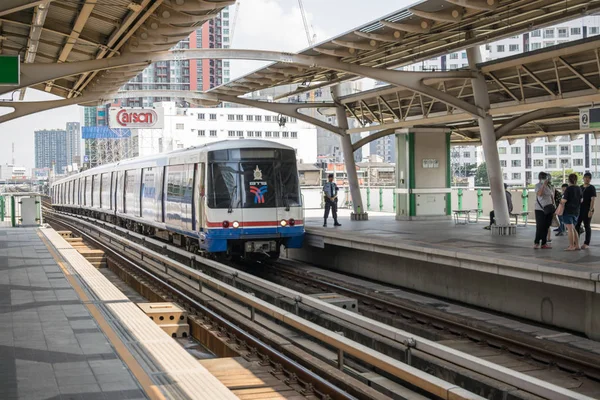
394, 37
82, 18
480, 5
454, 15
35, 31
412, 80
423, 27
374, 136
531, 116
13, 6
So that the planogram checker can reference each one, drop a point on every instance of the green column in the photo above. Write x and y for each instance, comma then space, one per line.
448, 176
395, 196
380, 199
479, 202
368, 199
412, 207
13, 218
525, 197
460, 197
2, 211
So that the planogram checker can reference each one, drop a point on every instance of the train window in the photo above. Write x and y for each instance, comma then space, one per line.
96, 190
105, 191
223, 185
219, 155
259, 184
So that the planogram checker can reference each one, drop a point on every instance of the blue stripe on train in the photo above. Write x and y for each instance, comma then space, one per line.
216, 239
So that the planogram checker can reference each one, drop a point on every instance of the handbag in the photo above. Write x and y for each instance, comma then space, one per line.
555, 222
549, 209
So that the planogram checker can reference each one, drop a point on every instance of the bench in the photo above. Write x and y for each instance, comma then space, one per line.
461, 214
524, 217
477, 212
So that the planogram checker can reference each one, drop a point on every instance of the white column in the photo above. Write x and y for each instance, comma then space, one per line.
488, 142
348, 151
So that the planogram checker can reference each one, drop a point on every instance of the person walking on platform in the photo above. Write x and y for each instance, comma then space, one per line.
544, 211
509, 203
586, 211
571, 204
330, 189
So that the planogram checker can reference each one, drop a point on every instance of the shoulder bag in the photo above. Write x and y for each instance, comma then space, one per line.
549, 209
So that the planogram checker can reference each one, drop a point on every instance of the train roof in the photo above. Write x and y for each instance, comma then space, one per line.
214, 146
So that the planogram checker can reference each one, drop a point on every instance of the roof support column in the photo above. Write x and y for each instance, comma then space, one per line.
490, 147
359, 213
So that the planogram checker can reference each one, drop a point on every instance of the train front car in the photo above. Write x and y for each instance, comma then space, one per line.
253, 201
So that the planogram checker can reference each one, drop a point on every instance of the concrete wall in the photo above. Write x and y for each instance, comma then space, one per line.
518, 295
430, 146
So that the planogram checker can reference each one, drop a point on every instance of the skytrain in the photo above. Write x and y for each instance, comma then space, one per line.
233, 198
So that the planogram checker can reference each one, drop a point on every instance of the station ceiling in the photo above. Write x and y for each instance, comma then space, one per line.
57, 31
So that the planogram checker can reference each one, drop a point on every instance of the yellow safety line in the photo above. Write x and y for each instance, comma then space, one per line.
143, 378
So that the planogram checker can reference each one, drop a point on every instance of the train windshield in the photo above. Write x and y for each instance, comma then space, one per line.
253, 178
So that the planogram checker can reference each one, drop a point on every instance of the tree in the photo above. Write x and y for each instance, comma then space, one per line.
470, 169
557, 177
481, 176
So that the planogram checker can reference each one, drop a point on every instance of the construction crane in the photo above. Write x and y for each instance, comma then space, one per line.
311, 39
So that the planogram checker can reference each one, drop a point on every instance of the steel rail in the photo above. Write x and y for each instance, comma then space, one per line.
404, 372
318, 382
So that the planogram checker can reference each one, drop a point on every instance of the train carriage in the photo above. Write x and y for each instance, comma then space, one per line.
230, 197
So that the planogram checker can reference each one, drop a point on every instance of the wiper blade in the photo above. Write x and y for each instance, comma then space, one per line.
233, 191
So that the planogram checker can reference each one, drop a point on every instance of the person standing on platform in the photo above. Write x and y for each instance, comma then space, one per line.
330, 189
586, 212
544, 211
509, 203
560, 231
571, 202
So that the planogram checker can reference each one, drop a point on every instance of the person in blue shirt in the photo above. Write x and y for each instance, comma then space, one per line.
330, 189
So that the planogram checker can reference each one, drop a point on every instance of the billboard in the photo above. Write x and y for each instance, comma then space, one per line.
136, 117
40, 173
104, 132
589, 118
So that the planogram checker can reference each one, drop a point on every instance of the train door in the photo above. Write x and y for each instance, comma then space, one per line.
199, 195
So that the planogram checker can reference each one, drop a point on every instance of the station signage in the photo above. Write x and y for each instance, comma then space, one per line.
10, 70
136, 117
589, 118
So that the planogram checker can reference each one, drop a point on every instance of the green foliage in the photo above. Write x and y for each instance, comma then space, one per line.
557, 177
481, 176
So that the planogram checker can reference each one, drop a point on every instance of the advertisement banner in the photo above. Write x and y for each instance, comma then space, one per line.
136, 117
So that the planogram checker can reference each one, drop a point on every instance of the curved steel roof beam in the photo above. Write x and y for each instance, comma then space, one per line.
454, 15
371, 45
198, 5
423, 27
394, 37
481, 5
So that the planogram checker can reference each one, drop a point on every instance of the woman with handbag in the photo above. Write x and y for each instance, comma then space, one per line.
544, 211
569, 208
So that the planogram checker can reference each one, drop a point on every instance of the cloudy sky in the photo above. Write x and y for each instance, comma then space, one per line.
261, 24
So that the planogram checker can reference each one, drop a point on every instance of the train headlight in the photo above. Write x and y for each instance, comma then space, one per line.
235, 224
283, 222
292, 222
226, 224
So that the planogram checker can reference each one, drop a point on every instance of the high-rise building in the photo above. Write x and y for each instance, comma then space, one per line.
51, 149
200, 75
73, 142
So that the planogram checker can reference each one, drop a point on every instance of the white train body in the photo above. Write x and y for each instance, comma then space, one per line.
237, 196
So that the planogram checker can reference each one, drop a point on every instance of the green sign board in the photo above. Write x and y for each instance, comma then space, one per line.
9, 70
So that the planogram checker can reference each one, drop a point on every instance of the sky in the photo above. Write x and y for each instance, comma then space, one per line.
261, 24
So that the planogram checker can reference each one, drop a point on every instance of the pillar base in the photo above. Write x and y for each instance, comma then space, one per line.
507, 230
359, 216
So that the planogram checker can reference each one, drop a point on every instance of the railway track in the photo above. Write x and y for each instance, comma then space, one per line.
488, 379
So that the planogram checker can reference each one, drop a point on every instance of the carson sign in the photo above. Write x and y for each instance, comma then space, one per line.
135, 117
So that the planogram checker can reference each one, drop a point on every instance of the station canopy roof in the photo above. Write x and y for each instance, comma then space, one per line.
56, 31
433, 28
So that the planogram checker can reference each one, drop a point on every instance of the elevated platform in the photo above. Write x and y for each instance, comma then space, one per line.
67, 332
465, 263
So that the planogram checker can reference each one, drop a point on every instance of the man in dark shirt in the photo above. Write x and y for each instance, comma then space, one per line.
586, 211
330, 189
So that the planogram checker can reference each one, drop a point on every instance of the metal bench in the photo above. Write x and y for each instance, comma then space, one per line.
476, 211
461, 217
524, 217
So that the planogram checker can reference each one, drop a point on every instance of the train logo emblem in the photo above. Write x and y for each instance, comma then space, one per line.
257, 174
259, 194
